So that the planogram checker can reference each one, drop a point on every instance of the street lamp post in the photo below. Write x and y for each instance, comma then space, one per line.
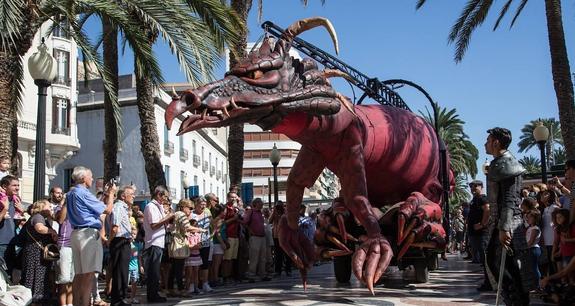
186, 185
43, 69
275, 158
541, 135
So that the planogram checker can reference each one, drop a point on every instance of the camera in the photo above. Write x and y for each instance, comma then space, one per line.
114, 181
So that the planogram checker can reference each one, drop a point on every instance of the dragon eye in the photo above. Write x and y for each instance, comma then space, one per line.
256, 74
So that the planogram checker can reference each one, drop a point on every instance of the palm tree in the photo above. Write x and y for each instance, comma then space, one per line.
527, 141
20, 20
214, 25
559, 156
459, 194
236, 132
462, 153
474, 14
531, 164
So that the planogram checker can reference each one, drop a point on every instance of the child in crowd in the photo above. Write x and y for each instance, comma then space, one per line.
566, 238
4, 166
533, 235
135, 267
193, 262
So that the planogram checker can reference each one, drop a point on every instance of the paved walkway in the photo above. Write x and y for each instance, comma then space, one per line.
453, 284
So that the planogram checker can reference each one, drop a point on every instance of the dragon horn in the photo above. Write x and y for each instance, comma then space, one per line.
174, 93
303, 25
331, 73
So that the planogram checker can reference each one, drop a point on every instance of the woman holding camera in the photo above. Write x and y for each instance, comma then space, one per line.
38, 233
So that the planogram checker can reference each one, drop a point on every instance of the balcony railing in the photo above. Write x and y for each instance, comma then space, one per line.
61, 130
205, 166
26, 125
168, 148
183, 154
212, 170
218, 174
197, 160
62, 81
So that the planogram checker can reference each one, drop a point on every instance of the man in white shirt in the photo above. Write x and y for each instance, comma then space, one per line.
155, 221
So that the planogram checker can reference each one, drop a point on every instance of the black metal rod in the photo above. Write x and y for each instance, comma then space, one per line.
275, 183
40, 163
543, 161
269, 193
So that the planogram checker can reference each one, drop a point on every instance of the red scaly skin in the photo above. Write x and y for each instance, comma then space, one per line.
381, 154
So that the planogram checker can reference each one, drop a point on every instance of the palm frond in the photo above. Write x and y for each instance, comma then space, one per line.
518, 12
469, 8
11, 20
502, 14
463, 35
419, 4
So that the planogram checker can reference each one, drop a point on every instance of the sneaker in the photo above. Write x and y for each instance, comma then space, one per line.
135, 301
206, 288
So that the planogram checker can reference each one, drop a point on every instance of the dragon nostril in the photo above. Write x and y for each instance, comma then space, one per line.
191, 100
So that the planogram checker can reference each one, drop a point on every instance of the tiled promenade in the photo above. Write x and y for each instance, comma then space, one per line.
453, 284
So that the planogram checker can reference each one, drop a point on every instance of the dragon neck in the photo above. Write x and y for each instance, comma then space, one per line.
300, 126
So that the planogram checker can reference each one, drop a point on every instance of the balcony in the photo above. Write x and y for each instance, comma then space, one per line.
61, 130
183, 154
26, 125
212, 170
62, 80
205, 166
218, 174
197, 161
168, 148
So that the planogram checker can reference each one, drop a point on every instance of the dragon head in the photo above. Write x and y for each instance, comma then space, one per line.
263, 88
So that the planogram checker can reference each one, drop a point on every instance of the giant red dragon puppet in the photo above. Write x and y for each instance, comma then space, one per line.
382, 155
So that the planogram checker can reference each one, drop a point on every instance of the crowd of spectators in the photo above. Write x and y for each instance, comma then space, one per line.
107, 238
549, 225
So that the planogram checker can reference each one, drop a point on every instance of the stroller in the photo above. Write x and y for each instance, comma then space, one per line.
12, 295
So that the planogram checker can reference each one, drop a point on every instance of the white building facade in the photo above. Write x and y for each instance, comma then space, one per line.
200, 155
62, 96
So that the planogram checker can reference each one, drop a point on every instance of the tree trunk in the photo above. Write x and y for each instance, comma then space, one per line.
561, 75
236, 136
110, 47
10, 87
150, 143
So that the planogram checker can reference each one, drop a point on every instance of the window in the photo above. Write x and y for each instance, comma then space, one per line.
204, 187
181, 142
166, 135
210, 159
63, 60
216, 163
183, 190
211, 187
195, 180
61, 28
167, 175
202, 155
60, 116
194, 147
67, 179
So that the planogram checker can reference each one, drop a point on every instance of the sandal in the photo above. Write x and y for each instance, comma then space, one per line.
100, 303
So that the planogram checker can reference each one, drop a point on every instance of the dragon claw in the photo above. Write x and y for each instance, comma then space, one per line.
371, 260
298, 247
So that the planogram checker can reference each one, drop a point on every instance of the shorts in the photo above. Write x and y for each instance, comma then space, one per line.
193, 261
86, 250
65, 267
134, 276
232, 251
218, 250
205, 254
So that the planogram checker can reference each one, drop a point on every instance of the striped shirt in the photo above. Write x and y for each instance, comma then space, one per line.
121, 219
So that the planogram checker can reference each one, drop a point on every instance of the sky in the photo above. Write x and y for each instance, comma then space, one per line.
504, 79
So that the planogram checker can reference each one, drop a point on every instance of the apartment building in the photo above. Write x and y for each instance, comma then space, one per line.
61, 130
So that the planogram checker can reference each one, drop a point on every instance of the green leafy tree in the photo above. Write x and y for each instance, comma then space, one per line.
463, 154
473, 15
459, 194
559, 156
527, 141
531, 164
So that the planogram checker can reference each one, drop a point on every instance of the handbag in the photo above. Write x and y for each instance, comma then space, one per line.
50, 252
179, 247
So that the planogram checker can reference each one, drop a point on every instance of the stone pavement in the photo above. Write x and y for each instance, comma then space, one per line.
453, 284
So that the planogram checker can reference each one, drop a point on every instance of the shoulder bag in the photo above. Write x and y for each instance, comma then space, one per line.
50, 252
